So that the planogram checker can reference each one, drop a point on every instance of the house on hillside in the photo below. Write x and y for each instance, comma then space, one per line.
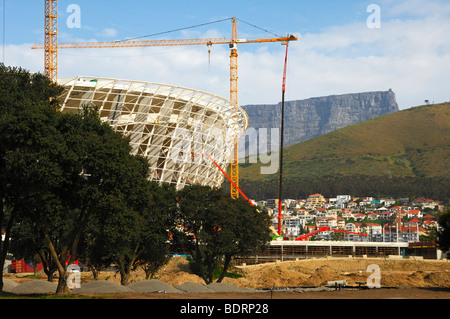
386, 215
340, 222
315, 201
414, 213
347, 214
306, 215
366, 201
413, 222
351, 205
294, 225
272, 202
429, 223
424, 202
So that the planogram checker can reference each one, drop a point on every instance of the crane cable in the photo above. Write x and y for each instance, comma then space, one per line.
174, 30
196, 26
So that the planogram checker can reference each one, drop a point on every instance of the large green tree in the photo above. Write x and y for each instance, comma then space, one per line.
213, 228
102, 180
27, 134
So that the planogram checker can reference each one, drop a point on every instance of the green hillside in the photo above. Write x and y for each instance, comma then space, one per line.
411, 144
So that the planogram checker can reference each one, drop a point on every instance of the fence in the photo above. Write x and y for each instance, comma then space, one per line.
284, 251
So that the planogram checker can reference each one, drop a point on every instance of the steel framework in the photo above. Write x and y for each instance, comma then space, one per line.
166, 124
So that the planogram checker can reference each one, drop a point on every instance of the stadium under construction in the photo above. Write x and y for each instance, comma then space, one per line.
166, 124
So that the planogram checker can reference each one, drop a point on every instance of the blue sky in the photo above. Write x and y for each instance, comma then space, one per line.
337, 52
141, 17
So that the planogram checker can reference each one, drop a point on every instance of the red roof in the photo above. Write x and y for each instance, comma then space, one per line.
372, 224
414, 220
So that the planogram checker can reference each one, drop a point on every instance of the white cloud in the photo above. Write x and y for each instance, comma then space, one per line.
411, 57
416, 8
108, 32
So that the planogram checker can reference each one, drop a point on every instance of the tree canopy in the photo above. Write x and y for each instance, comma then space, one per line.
213, 228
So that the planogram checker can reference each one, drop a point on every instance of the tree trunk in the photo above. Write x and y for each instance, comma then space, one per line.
4, 245
124, 272
62, 280
94, 271
226, 264
48, 266
50, 275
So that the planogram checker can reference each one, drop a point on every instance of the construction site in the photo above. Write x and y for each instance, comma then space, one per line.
191, 137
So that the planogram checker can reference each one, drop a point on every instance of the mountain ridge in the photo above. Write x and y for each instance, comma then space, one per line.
411, 144
309, 118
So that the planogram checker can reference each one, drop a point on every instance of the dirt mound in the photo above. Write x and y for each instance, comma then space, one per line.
8, 285
221, 287
153, 285
194, 288
436, 279
35, 287
101, 287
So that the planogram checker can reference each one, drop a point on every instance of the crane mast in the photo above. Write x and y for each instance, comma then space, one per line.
51, 39
51, 47
234, 166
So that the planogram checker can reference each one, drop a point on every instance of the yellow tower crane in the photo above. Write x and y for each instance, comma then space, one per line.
51, 47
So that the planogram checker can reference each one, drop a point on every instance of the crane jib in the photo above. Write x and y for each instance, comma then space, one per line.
175, 42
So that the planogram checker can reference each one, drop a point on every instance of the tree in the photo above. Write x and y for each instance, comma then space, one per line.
252, 232
134, 221
213, 228
27, 244
158, 220
444, 230
102, 180
27, 111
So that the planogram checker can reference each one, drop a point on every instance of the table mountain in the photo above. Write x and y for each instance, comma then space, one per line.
306, 119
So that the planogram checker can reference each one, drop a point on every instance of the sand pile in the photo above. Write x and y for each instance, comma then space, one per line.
153, 285
35, 287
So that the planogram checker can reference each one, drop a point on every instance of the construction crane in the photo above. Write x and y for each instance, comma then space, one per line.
51, 47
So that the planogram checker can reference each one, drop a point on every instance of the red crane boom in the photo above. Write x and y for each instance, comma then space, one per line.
322, 229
